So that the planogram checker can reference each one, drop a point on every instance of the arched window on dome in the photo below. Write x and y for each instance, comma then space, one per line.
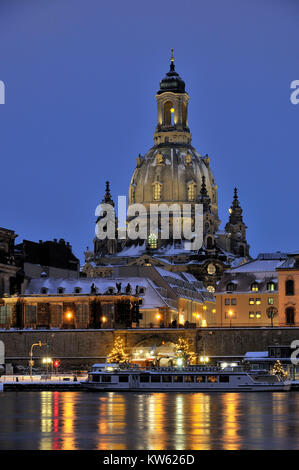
184, 114
132, 194
191, 191
168, 113
152, 241
157, 187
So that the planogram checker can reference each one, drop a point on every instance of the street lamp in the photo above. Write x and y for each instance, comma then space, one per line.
40, 344
230, 313
47, 361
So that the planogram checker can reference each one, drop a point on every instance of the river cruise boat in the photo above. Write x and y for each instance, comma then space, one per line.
192, 378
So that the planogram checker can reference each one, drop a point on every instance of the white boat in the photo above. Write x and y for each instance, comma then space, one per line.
193, 378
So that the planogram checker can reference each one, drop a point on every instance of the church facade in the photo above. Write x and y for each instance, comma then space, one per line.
174, 172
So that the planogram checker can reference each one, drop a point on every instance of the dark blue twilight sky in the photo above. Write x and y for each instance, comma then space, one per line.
81, 77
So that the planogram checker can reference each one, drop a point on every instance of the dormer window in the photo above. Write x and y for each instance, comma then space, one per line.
230, 287
157, 191
44, 290
270, 286
60, 290
254, 287
77, 290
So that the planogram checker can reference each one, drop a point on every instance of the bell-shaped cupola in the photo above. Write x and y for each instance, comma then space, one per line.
172, 101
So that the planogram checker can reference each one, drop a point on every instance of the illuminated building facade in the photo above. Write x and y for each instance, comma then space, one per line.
174, 172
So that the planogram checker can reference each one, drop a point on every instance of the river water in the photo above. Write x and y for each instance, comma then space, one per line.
152, 421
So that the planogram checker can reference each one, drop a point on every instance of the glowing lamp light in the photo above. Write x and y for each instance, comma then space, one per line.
69, 315
180, 362
204, 307
172, 110
158, 316
204, 359
214, 310
47, 360
104, 319
204, 323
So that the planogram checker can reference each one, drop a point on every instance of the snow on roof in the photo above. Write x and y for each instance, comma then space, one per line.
257, 266
151, 298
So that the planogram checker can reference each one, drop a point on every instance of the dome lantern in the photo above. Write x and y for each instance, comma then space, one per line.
172, 101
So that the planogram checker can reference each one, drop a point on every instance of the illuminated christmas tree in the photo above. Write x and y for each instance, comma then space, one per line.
182, 351
117, 354
279, 370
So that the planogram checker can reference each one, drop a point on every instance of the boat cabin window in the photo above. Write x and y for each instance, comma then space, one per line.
123, 378
223, 378
189, 378
106, 378
144, 378
96, 378
200, 378
166, 378
155, 378
178, 378
212, 378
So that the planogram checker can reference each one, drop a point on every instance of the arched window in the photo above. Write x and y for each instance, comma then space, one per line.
152, 241
290, 316
157, 191
254, 287
209, 243
184, 114
270, 286
289, 285
168, 113
191, 187
230, 287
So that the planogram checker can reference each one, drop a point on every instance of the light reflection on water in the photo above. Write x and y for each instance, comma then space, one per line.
152, 421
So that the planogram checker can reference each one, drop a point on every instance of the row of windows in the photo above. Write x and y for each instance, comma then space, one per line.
252, 301
191, 191
254, 287
271, 286
165, 378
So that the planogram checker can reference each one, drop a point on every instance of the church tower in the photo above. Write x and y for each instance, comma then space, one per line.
236, 229
172, 103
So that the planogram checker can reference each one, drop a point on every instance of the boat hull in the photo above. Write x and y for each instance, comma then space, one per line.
244, 388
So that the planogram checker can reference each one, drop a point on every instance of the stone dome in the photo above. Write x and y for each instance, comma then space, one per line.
167, 172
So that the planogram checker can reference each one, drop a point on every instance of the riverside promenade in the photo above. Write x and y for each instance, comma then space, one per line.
41, 382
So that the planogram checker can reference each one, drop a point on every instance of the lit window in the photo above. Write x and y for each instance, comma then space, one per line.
254, 287
251, 314
258, 301
157, 191
251, 301
270, 301
152, 240
258, 314
191, 191
271, 286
